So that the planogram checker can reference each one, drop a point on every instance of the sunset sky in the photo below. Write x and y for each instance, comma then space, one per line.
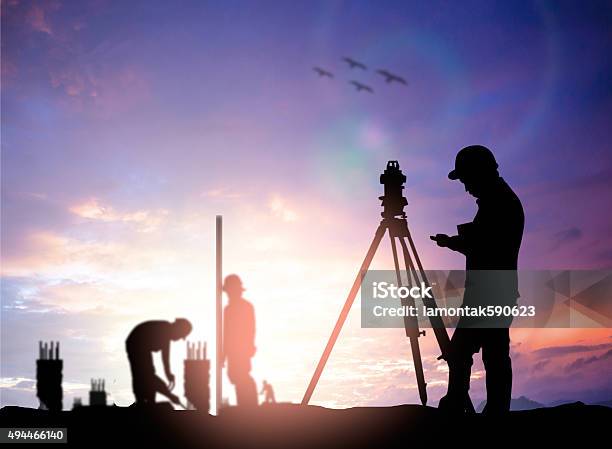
127, 126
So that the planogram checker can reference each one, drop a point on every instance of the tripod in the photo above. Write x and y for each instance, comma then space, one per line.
398, 231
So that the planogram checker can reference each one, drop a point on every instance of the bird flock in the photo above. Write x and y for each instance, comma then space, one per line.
353, 64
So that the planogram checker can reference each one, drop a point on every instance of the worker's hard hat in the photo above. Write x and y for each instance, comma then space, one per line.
471, 160
232, 283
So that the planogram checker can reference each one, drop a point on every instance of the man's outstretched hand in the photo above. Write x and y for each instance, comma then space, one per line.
442, 240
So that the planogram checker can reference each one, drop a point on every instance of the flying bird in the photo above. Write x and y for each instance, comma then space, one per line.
322, 72
390, 77
359, 86
354, 64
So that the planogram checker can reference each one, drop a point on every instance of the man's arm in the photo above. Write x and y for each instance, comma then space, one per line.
251, 330
166, 361
162, 389
467, 232
455, 242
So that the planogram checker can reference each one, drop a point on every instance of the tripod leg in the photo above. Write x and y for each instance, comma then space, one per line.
411, 325
380, 232
436, 322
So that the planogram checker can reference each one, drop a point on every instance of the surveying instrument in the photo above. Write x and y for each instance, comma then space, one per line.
394, 221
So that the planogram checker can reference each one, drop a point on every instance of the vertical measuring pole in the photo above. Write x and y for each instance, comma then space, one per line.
219, 305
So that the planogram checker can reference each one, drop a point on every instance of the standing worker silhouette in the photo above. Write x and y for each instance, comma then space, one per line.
268, 392
146, 338
490, 242
239, 341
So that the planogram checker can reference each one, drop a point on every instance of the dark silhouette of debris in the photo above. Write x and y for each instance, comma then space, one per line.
97, 393
146, 338
49, 376
239, 341
323, 72
354, 64
390, 77
490, 242
197, 377
359, 86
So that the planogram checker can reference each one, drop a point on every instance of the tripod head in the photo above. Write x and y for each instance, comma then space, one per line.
393, 201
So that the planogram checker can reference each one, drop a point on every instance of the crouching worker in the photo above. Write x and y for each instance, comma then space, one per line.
143, 341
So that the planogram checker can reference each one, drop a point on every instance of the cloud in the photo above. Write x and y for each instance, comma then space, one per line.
92, 345
73, 84
221, 193
394, 395
556, 351
79, 238
537, 367
37, 18
551, 373
605, 255
55, 255
566, 236
99, 88
25, 384
146, 220
281, 210
26, 212
579, 245
583, 362
22, 392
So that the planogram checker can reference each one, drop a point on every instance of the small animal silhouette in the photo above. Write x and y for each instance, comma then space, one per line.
323, 72
354, 64
390, 77
361, 87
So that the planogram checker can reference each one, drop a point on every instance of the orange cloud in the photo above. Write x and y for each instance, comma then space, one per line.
221, 193
279, 209
146, 221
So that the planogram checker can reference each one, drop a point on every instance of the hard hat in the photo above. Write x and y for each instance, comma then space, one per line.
232, 282
473, 159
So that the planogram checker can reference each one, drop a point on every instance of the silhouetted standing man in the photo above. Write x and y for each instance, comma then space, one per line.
239, 341
268, 392
146, 338
490, 242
